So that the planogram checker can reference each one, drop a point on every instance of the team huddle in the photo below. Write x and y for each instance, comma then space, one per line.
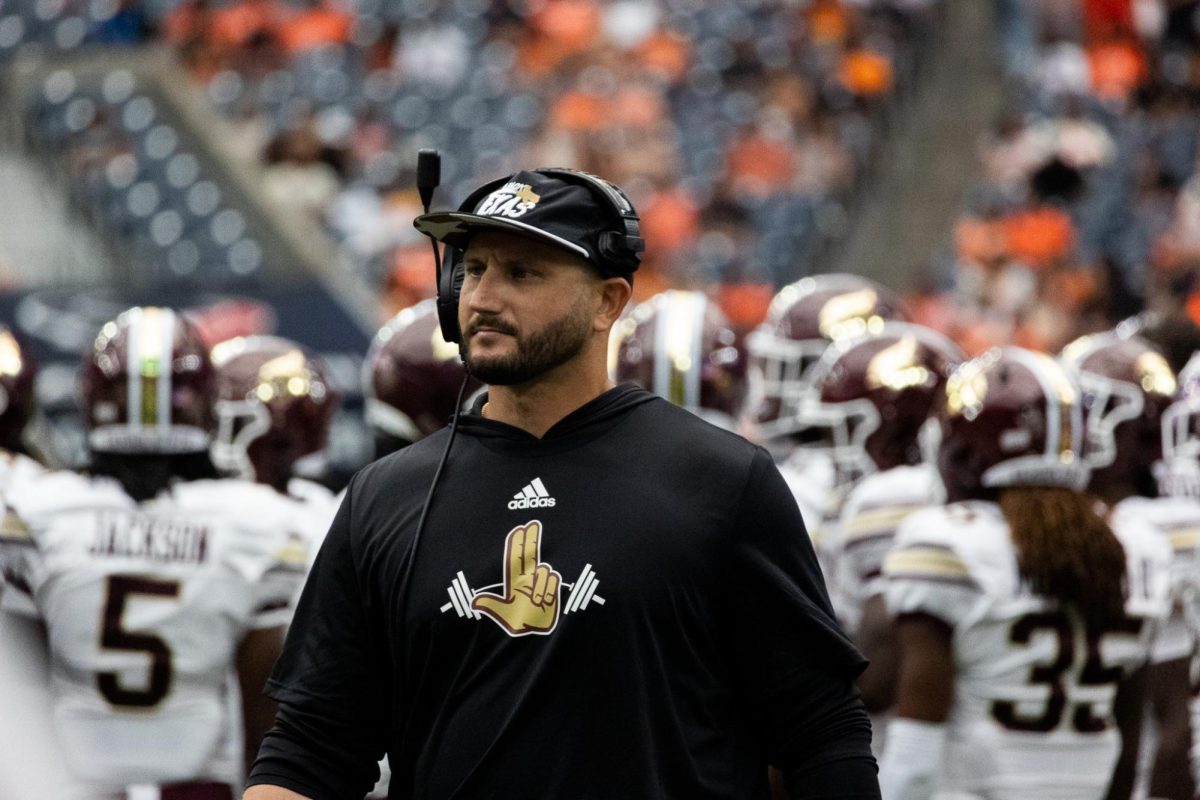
1011, 540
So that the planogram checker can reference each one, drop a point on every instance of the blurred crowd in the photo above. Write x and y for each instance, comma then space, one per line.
738, 129
1087, 206
741, 130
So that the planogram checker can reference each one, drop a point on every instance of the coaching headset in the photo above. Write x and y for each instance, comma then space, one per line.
613, 251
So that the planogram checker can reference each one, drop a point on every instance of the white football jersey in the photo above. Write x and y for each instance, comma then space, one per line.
812, 477
320, 505
16, 469
873, 510
1033, 689
145, 605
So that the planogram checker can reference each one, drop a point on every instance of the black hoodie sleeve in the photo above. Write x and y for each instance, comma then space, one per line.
797, 664
329, 732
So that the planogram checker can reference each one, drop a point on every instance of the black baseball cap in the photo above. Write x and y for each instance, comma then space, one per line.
547, 208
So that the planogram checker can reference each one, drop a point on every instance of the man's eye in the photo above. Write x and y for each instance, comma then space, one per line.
473, 269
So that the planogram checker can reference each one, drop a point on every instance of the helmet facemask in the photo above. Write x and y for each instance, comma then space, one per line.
239, 424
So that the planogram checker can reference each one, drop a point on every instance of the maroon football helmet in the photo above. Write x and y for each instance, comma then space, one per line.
1127, 387
803, 318
411, 378
148, 386
274, 407
679, 345
18, 374
1010, 417
878, 390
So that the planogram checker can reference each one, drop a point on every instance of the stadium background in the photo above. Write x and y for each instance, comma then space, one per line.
1021, 170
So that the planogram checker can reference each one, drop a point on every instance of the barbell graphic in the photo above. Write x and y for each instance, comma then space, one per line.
583, 591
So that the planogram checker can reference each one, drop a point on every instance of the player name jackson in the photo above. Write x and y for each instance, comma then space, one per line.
155, 538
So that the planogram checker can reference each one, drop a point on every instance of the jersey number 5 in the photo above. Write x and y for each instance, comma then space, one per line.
114, 636
1092, 672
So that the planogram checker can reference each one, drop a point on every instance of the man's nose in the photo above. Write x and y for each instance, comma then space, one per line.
485, 294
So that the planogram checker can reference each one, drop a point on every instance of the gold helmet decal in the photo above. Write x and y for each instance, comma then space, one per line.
966, 389
442, 350
288, 375
1155, 375
850, 314
10, 354
898, 367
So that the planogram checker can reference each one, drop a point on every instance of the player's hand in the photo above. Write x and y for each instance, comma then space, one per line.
529, 600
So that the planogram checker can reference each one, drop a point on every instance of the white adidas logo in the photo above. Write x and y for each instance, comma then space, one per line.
534, 495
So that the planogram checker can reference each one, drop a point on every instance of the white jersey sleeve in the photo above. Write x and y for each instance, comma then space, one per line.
145, 606
927, 570
812, 478
872, 512
16, 469
1176, 521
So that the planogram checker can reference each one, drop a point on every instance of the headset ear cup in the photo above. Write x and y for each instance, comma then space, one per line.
449, 289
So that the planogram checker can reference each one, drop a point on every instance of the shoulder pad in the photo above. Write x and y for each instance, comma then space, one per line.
59, 491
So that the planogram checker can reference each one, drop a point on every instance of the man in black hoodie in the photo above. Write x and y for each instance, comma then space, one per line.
607, 598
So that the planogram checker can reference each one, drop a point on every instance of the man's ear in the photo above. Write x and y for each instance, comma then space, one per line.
614, 295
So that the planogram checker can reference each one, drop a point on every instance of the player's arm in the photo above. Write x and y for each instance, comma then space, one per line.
877, 641
255, 657
925, 695
797, 666
1169, 689
1128, 710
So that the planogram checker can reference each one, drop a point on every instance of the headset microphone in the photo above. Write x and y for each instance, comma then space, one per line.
429, 175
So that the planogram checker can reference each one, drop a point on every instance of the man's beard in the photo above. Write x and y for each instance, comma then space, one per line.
536, 353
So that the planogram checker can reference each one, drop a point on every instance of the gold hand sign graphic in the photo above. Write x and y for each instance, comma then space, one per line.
529, 599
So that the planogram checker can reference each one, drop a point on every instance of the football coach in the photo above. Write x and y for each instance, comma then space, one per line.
576, 590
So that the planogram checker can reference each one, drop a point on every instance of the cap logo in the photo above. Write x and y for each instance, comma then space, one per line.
512, 200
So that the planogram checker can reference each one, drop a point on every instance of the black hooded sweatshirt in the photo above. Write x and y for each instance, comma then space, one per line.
628, 607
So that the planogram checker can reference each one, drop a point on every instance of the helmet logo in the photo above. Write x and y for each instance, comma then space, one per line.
1154, 374
288, 375
10, 354
512, 200
850, 314
897, 367
966, 390
442, 350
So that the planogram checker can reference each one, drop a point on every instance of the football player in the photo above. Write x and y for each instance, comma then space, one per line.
155, 580
781, 404
274, 409
411, 379
30, 759
879, 391
1023, 618
679, 345
1128, 385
